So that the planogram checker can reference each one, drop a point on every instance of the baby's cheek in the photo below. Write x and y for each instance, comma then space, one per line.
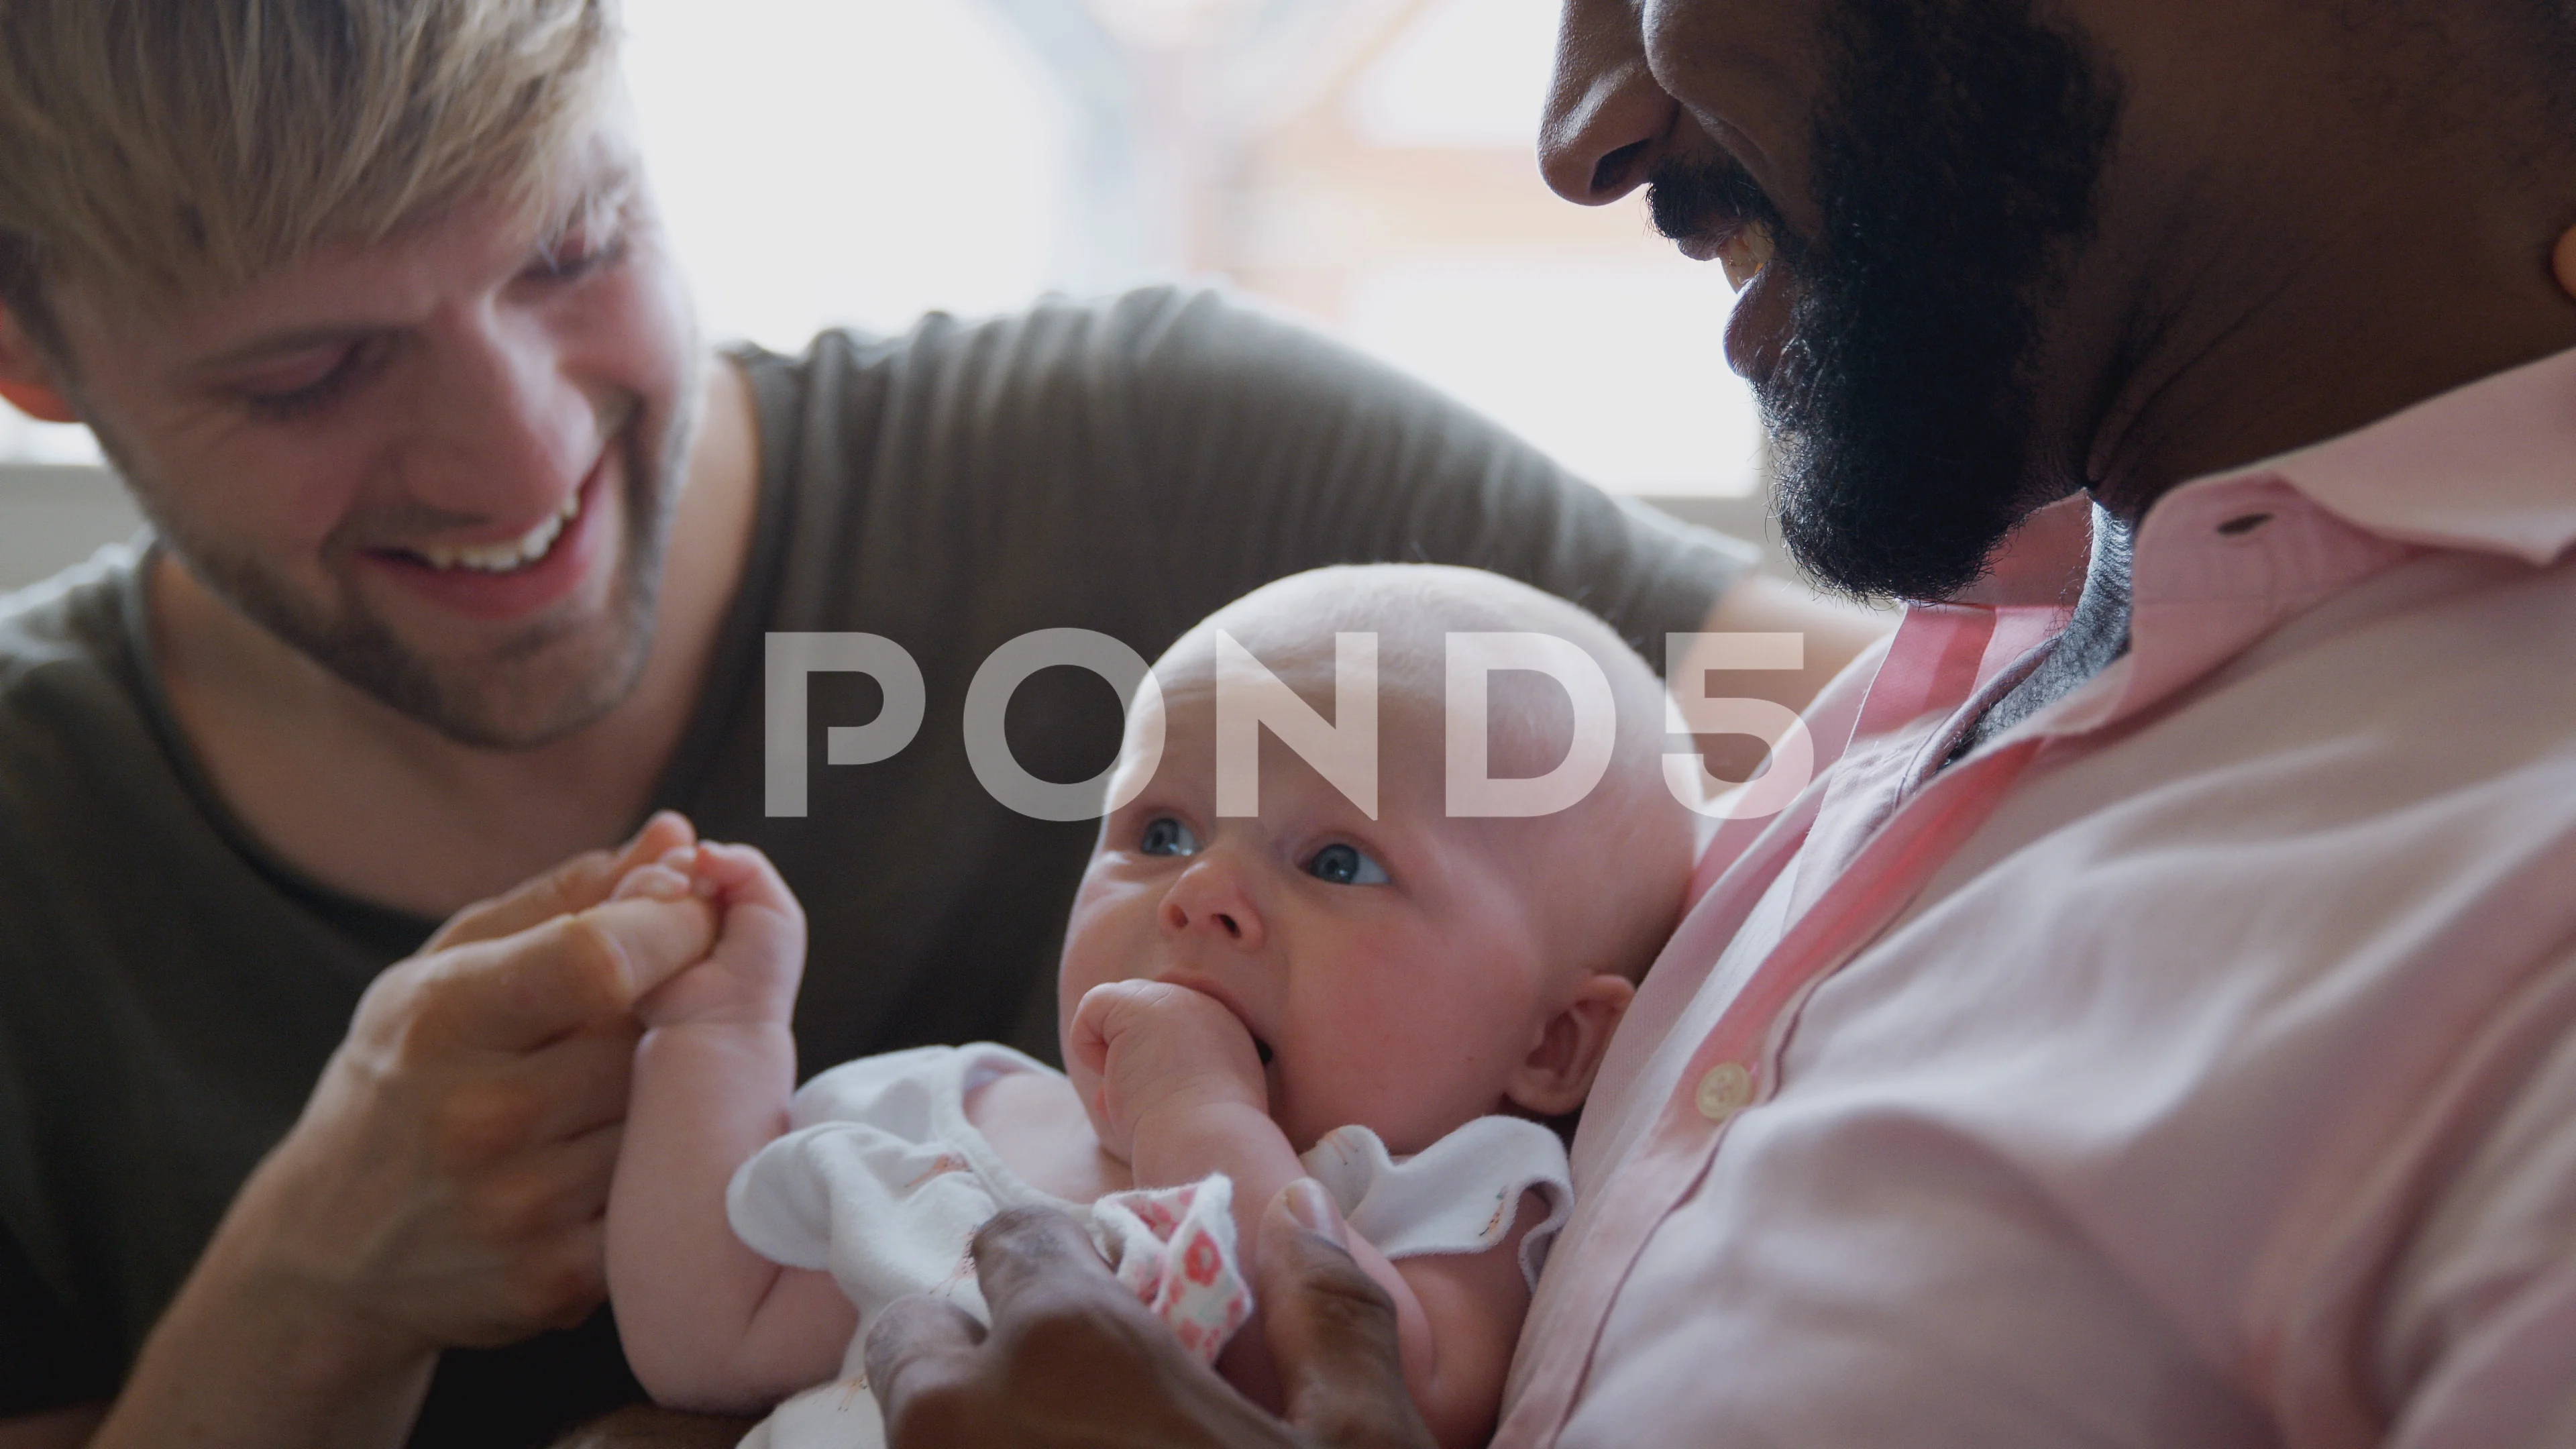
1309, 1103
1409, 1082
1110, 919
1085, 964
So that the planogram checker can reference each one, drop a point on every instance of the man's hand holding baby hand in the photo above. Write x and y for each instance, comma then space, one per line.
1149, 1052
749, 976
444, 1184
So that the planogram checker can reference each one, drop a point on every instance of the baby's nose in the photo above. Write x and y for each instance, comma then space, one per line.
1207, 898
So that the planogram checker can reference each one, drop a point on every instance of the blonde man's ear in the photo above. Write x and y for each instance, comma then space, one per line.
26, 380
1557, 1074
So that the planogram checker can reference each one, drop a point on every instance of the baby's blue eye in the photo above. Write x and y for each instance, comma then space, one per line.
1345, 865
1166, 836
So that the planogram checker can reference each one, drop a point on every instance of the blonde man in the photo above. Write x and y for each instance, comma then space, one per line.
463, 550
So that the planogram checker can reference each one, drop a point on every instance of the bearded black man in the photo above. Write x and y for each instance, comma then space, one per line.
2157, 1025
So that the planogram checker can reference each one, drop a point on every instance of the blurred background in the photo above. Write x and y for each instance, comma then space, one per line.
1367, 165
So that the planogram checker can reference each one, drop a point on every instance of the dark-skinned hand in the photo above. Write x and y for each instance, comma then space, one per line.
1073, 1359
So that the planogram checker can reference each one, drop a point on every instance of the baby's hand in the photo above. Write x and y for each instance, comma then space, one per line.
1146, 1049
750, 976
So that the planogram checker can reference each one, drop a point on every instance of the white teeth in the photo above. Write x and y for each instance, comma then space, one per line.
505, 557
1745, 255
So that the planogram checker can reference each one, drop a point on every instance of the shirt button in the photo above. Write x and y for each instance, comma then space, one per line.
1725, 1091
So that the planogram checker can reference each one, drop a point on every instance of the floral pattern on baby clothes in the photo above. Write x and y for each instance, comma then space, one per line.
1175, 1247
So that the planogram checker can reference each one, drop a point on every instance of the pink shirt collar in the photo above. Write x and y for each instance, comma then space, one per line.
2490, 467
2224, 560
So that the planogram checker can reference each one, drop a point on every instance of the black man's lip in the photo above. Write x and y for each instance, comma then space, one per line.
1759, 328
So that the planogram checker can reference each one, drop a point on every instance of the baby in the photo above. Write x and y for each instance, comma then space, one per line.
1392, 1005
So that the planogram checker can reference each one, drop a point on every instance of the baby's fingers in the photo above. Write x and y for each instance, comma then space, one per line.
764, 925
743, 875
1087, 1040
653, 883
1113, 1010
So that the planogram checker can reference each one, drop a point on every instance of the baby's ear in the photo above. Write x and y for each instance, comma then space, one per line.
1557, 1074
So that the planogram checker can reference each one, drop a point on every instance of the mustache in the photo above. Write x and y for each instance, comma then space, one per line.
1692, 198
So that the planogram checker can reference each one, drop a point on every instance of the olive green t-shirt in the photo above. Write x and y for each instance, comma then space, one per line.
169, 990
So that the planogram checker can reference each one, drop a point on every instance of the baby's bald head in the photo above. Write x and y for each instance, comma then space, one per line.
1604, 877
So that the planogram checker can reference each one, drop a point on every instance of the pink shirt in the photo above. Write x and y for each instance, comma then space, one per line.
2193, 1065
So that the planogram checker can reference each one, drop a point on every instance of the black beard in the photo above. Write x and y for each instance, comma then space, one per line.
1956, 166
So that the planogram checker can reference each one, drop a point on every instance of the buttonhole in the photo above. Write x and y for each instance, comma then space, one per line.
2239, 527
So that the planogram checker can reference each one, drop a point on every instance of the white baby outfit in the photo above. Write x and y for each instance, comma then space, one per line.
881, 1181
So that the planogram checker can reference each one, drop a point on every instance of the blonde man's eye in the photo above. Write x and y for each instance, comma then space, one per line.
289, 404
578, 259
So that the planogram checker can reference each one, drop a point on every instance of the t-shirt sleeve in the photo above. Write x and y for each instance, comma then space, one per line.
43, 1362
1264, 449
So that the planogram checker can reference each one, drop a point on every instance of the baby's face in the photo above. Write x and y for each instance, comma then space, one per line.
1389, 970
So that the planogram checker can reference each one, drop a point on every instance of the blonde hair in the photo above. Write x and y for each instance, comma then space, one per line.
156, 148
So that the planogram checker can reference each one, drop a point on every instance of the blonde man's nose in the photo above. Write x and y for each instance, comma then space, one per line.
511, 434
